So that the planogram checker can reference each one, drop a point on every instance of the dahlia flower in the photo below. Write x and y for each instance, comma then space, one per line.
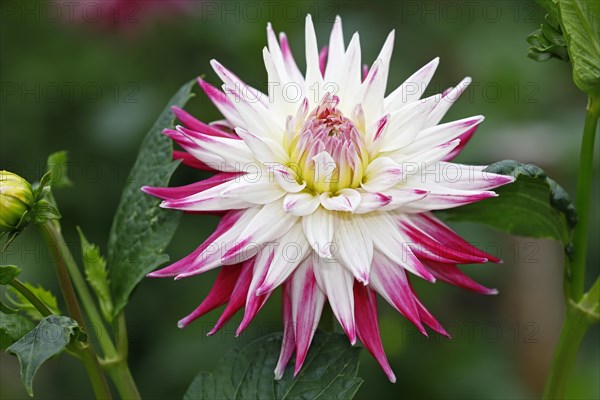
326, 186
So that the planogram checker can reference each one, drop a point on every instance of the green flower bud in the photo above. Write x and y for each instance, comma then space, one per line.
16, 197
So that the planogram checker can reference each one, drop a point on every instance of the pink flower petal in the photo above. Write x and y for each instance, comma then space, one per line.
365, 312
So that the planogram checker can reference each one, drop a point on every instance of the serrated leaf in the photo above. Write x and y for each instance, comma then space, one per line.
42, 188
97, 275
534, 205
329, 372
580, 22
19, 301
43, 211
8, 273
49, 338
57, 165
12, 328
141, 230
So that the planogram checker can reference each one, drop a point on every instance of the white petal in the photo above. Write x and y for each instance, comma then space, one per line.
355, 247
456, 176
337, 283
231, 150
301, 204
290, 250
256, 189
314, 79
336, 51
440, 134
402, 197
270, 223
348, 84
372, 202
324, 166
319, 228
287, 179
412, 162
412, 89
209, 200
405, 124
307, 304
389, 240
344, 200
448, 99
266, 150
381, 174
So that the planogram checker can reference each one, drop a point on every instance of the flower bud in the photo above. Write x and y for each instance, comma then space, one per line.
16, 197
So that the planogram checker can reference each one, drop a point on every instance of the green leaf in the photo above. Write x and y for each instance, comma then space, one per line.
12, 328
57, 165
534, 205
97, 275
19, 301
580, 22
43, 211
49, 338
329, 372
42, 188
548, 41
8, 273
141, 230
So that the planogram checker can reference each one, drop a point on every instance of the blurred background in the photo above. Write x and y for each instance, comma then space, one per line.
92, 79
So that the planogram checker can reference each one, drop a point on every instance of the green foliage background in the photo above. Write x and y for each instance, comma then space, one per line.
50, 73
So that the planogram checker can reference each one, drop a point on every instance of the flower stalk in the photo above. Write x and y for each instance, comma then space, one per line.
582, 309
584, 183
69, 276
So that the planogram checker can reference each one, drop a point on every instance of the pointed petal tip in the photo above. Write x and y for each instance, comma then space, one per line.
278, 374
391, 376
182, 323
213, 331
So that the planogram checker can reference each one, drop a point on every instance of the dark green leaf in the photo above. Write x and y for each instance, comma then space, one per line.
329, 372
19, 301
8, 273
141, 230
534, 205
12, 328
57, 165
202, 387
49, 338
43, 211
97, 275
580, 21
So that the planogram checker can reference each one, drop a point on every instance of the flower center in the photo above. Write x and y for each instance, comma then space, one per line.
328, 151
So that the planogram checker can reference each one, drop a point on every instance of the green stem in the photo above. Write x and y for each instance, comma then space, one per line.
95, 372
66, 286
582, 201
121, 338
124, 382
28, 294
579, 318
57, 244
117, 366
582, 309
